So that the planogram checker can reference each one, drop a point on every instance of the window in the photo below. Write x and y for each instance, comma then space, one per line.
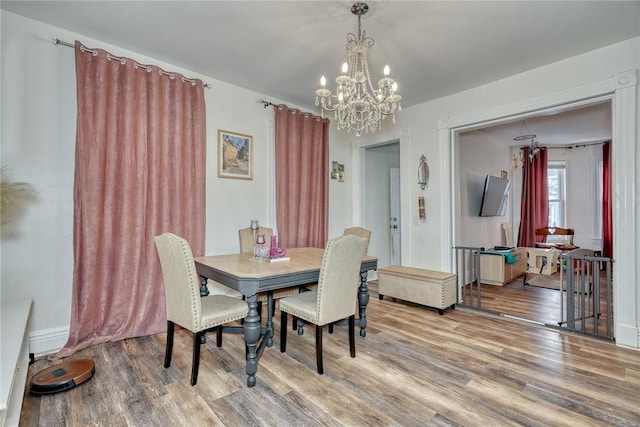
557, 197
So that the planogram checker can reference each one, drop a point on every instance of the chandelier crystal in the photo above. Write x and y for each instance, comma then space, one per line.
357, 105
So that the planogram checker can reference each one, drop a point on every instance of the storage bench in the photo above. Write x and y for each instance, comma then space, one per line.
427, 287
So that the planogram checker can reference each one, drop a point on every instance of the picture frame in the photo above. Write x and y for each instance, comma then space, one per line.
235, 155
334, 170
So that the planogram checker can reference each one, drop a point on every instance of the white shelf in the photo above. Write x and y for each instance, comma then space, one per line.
14, 358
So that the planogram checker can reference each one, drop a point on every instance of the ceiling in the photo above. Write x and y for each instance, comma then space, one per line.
585, 125
281, 48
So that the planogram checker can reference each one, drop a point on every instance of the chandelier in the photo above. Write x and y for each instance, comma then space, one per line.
534, 147
357, 105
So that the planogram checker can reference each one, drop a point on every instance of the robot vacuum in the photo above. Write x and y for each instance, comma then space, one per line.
62, 377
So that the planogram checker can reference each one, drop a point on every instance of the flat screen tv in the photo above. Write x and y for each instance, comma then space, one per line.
494, 196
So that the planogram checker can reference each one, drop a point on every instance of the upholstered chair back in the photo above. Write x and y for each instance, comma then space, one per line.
360, 232
181, 281
247, 243
338, 280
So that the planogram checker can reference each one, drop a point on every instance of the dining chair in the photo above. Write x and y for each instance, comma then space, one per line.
353, 231
563, 238
184, 304
247, 244
360, 232
334, 298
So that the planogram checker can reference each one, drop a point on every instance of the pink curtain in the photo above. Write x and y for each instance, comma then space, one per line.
534, 211
302, 178
140, 171
607, 211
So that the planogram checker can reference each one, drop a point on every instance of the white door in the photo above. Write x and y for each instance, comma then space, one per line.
394, 214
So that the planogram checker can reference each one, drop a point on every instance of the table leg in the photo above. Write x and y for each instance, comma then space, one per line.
204, 291
363, 300
269, 331
251, 335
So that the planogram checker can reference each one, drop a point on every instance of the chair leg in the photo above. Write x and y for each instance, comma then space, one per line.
330, 328
294, 323
283, 331
195, 363
352, 336
169, 347
219, 336
319, 349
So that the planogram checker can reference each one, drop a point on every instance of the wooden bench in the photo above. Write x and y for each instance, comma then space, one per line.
427, 287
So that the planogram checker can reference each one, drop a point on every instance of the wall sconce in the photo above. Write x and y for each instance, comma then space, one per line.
423, 172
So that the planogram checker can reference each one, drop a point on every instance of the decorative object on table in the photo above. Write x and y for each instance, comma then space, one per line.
423, 172
235, 155
254, 227
262, 249
421, 210
358, 105
503, 174
275, 253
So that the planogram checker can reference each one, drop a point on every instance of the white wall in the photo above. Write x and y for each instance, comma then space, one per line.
480, 156
38, 146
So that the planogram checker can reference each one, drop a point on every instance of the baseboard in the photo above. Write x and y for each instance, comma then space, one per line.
48, 341
628, 335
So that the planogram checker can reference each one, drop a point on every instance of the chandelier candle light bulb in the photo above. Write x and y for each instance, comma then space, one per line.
360, 107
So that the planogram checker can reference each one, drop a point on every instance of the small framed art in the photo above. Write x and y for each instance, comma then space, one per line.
235, 155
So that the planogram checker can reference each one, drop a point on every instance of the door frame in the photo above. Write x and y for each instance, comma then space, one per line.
621, 89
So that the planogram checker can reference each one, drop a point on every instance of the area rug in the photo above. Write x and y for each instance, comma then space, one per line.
545, 281
552, 281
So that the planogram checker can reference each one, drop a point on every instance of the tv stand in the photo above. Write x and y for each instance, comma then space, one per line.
494, 269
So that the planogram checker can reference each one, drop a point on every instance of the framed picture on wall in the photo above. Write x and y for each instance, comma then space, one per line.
235, 155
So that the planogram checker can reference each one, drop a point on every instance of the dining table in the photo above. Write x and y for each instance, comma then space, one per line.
250, 276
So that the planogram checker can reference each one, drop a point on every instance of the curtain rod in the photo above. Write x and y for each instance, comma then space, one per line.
292, 110
58, 41
569, 147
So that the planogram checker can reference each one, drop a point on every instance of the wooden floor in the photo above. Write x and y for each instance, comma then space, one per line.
542, 305
414, 368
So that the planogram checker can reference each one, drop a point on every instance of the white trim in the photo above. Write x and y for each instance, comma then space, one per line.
623, 149
48, 341
621, 89
358, 156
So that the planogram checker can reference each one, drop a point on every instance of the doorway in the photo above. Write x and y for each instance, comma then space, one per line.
490, 150
382, 170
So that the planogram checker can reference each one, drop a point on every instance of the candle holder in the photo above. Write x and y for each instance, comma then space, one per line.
254, 227
262, 249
